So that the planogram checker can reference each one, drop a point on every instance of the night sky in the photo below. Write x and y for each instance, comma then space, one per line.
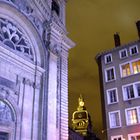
91, 25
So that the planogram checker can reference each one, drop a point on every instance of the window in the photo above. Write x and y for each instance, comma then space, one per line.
110, 74
125, 69
117, 137
137, 89
133, 50
55, 7
132, 115
123, 53
131, 91
130, 68
114, 119
136, 66
128, 92
134, 136
112, 96
108, 58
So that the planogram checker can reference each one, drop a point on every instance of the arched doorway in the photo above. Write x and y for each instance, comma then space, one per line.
7, 121
4, 136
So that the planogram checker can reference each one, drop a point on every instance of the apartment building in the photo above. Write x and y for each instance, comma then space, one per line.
119, 73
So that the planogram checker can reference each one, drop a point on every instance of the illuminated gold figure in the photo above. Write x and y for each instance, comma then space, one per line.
80, 118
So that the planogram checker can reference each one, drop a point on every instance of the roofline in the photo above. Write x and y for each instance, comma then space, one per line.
114, 49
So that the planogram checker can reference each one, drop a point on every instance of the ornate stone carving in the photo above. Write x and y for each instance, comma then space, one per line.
25, 8
36, 85
55, 49
28, 82
4, 92
31, 83
14, 39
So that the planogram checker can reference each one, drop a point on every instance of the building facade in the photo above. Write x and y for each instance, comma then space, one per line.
33, 70
119, 72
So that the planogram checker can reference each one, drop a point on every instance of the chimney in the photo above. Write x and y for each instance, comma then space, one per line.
138, 27
117, 39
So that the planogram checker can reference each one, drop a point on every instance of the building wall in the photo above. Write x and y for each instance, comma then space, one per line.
33, 70
122, 105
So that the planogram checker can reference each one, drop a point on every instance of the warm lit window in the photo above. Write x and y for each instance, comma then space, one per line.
108, 58
112, 96
110, 74
114, 119
128, 92
136, 66
130, 68
134, 136
123, 53
125, 69
132, 116
117, 137
133, 50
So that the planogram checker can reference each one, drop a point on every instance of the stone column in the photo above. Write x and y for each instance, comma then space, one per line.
26, 127
35, 112
52, 97
64, 96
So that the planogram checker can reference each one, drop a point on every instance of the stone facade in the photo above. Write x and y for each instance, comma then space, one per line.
33, 70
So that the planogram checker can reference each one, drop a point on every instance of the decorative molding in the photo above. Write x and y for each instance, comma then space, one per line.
44, 7
36, 85
26, 8
55, 49
28, 82
4, 92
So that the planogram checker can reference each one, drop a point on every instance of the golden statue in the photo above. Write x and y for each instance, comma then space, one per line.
80, 118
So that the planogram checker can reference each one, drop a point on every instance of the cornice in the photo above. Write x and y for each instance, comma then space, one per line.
67, 42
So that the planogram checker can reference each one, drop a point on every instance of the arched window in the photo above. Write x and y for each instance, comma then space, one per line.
6, 114
14, 39
55, 7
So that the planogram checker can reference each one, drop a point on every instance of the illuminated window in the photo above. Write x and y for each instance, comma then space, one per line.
128, 92
117, 137
125, 70
133, 50
108, 58
134, 136
123, 53
112, 96
110, 74
132, 116
136, 66
114, 119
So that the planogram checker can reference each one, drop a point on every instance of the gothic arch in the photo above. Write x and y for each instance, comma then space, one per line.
22, 22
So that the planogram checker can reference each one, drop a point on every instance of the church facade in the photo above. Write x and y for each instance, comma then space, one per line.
33, 70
